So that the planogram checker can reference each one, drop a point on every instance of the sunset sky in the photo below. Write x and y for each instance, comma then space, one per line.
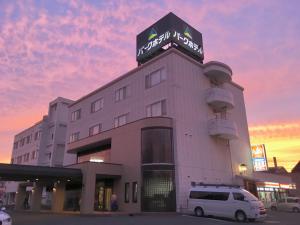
67, 48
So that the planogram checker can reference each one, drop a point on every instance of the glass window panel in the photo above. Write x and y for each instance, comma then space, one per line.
126, 197
158, 191
157, 145
155, 78
134, 192
148, 110
156, 109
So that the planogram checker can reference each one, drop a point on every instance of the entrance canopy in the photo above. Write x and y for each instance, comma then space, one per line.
13, 172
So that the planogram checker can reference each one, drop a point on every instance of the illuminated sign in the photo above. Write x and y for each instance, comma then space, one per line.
259, 157
169, 31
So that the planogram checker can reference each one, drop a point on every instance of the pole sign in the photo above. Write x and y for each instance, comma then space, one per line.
169, 31
259, 157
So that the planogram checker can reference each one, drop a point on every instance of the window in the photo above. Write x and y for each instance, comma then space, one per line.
126, 197
157, 109
97, 105
219, 196
134, 192
121, 120
76, 115
33, 155
16, 145
28, 139
121, 94
19, 159
23, 141
157, 145
36, 134
155, 78
95, 129
238, 196
74, 137
292, 200
26, 157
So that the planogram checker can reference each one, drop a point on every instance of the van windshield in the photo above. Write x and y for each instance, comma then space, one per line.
249, 196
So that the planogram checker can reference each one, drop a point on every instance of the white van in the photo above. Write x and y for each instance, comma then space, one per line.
5, 219
225, 201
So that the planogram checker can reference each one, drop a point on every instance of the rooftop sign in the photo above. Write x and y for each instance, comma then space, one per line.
169, 31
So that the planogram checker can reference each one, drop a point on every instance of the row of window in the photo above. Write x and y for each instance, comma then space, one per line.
156, 109
24, 158
27, 140
151, 80
134, 193
219, 196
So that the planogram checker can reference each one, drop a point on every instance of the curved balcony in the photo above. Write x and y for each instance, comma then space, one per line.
217, 72
222, 128
219, 99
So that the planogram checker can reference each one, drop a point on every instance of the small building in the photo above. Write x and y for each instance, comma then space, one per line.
295, 173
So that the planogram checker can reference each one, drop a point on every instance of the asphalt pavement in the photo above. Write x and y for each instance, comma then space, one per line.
28, 218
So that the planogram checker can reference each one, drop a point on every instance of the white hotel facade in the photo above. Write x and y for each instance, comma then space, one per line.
198, 105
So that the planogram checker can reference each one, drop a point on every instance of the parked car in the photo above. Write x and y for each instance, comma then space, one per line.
5, 219
291, 204
225, 201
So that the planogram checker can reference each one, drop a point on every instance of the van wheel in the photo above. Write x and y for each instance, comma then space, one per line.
296, 210
273, 208
240, 216
199, 212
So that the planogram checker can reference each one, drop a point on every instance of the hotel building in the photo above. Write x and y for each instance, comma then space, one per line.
149, 134
146, 137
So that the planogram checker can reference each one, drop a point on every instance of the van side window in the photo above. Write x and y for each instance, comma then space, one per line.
238, 196
219, 196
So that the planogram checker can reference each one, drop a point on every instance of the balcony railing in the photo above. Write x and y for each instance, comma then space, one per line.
222, 128
219, 99
217, 72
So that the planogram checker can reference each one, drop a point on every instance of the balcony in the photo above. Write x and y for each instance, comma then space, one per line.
217, 72
222, 128
219, 99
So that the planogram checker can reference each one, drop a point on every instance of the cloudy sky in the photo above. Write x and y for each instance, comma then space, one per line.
66, 48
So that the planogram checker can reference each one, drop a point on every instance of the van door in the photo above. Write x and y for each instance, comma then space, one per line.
221, 204
239, 202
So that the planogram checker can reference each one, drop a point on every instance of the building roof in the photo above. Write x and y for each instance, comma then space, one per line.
296, 168
278, 170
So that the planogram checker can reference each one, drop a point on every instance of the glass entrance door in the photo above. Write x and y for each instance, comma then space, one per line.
103, 195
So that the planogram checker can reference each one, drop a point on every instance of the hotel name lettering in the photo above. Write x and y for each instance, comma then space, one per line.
169, 31
165, 37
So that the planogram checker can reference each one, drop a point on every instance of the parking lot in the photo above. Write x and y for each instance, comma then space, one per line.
28, 218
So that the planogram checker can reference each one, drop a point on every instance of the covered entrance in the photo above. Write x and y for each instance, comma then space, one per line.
34, 181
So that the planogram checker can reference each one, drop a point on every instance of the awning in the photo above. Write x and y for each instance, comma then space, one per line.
14, 172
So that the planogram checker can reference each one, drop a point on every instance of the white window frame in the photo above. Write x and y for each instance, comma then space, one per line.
122, 93
118, 122
74, 137
163, 109
93, 105
159, 74
91, 133
76, 115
